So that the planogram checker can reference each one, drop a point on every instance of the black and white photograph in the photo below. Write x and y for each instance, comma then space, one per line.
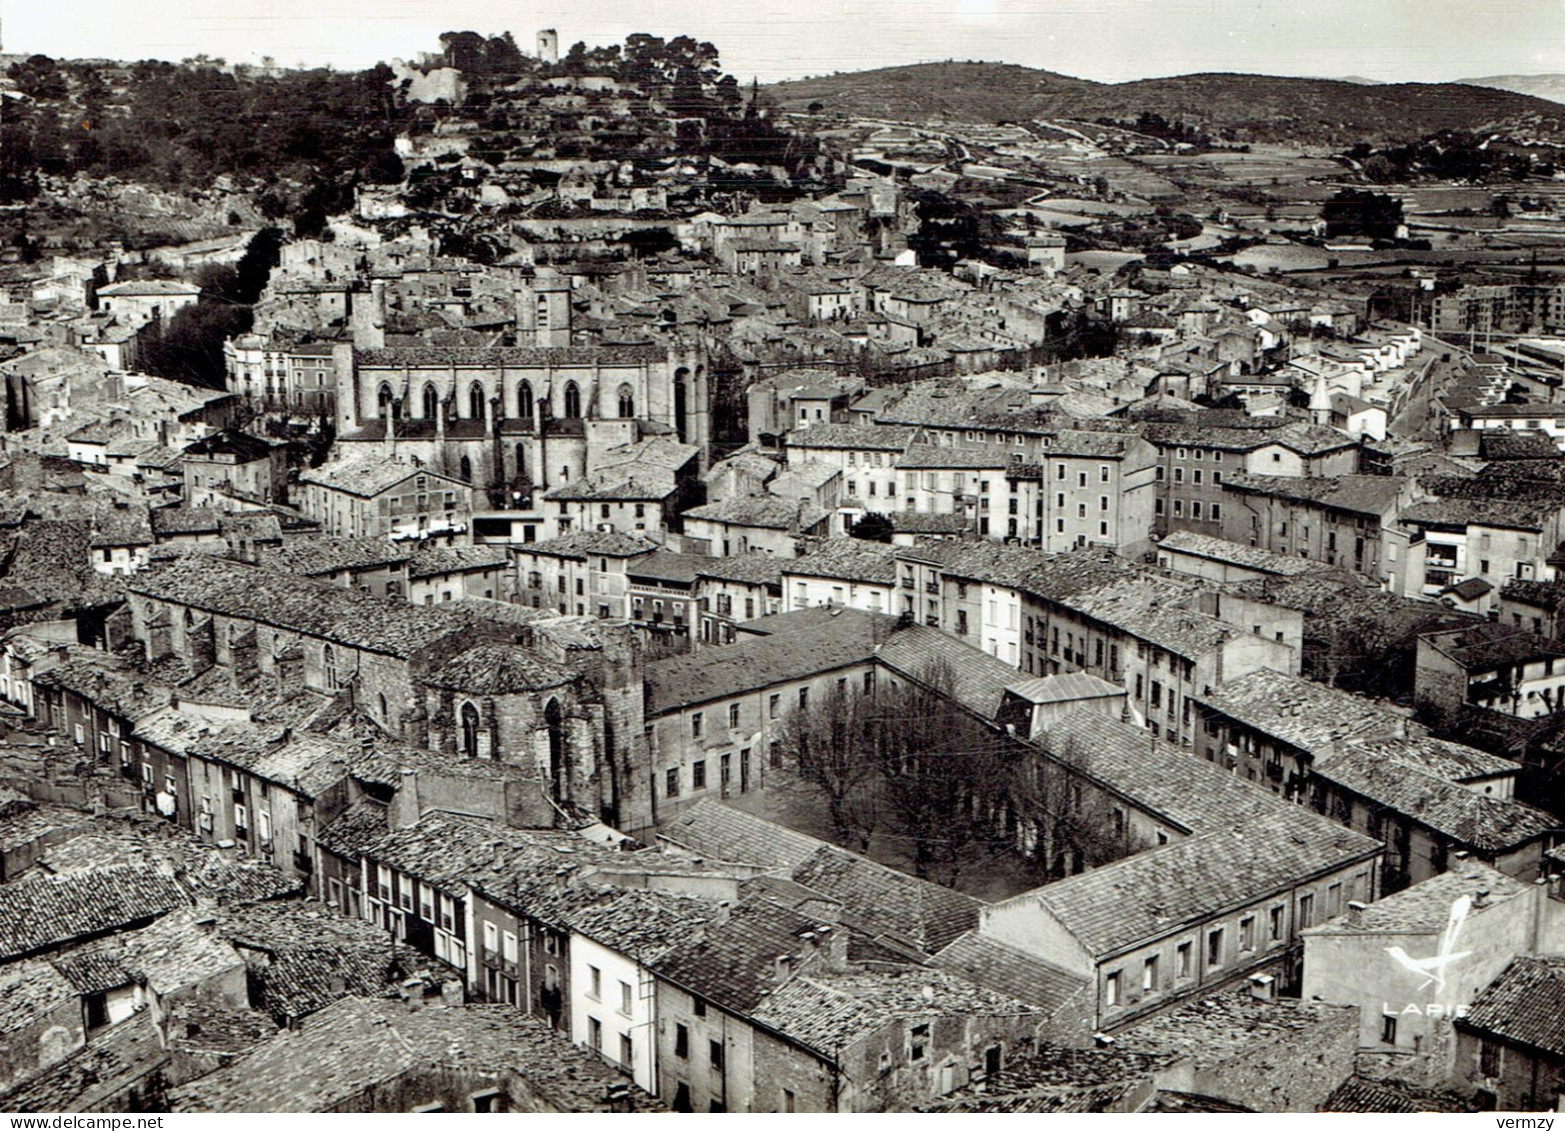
936, 556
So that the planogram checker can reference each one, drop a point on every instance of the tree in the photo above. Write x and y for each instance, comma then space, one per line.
829, 747
935, 759
1065, 823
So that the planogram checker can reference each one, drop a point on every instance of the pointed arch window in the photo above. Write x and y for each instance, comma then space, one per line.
431, 402
524, 400
465, 470
475, 401
572, 401
627, 402
383, 399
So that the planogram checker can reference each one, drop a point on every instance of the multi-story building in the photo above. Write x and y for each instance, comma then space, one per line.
1343, 520
385, 498
1195, 458
229, 468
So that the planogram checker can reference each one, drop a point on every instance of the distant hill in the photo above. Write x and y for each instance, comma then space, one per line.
1252, 107
1551, 87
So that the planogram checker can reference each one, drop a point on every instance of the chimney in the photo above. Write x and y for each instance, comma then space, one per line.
1355, 913
723, 912
1263, 987
1481, 898
784, 968
1103, 1040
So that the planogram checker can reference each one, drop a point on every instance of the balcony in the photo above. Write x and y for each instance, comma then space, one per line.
491, 958
931, 587
907, 583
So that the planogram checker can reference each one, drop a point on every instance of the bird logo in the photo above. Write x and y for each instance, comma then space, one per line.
1432, 970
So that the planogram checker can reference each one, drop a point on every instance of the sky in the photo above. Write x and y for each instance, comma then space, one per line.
1106, 40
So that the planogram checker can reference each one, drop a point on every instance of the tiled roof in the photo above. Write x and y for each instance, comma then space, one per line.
754, 664
357, 1043
432, 561
885, 438
753, 568
1425, 908
1236, 553
1011, 972
1210, 1031
1357, 494
29, 991
851, 559
667, 565
606, 543
938, 456
722, 832
829, 1012
315, 608
1057, 1079
499, 669
1066, 687
513, 357
884, 903
1306, 715
319, 554
1190, 792
765, 511
1374, 1097
44, 912
1525, 1005
368, 476
977, 679
1489, 645
1510, 514
734, 962
95, 1078
313, 957
171, 521
1471, 819
1548, 595
1155, 893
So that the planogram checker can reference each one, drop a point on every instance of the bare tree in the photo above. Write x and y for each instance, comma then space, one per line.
1067, 824
937, 763
829, 748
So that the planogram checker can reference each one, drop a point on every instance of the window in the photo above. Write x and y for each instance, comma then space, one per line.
733, 716
715, 1050
595, 982
1490, 1059
787, 1100
1111, 989
698, 775
1149, 974
1214, 947
1247, 933
1182, 960
595, 1034
918, 1042
804, 698
1275, 931
695, 725
572, 401
681, 1041
627, 999
700, 1008
1306, 911
671, 787
771, 706
1388, 1029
